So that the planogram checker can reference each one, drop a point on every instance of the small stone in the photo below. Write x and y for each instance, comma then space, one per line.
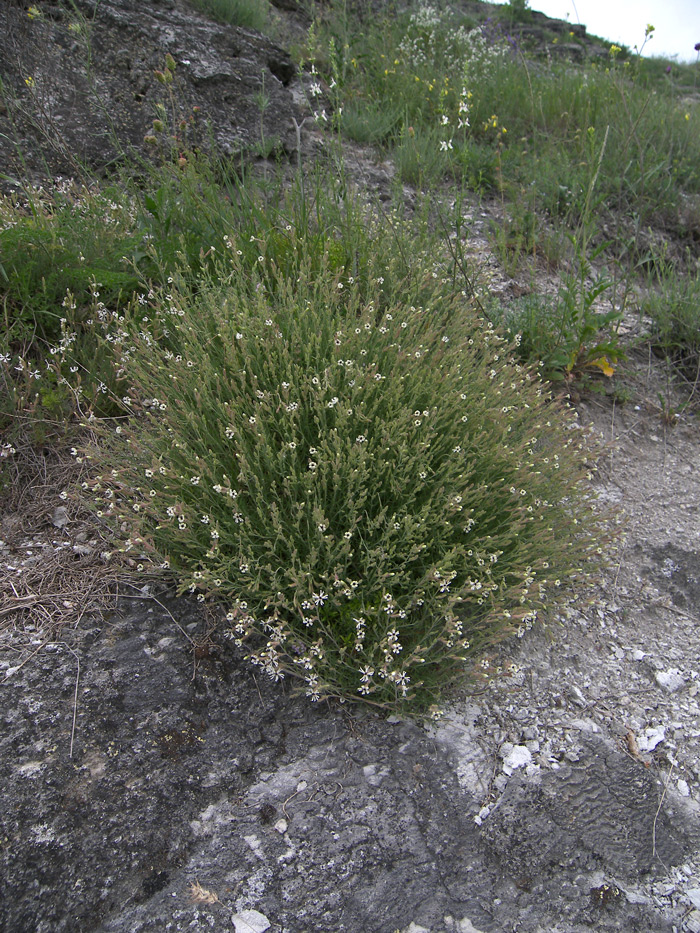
683, 788
281, 826
250, 921
482, 814
59, 518
578, 698
671, 680
516, 757
585, 725
693, 895
650, 738
633, 897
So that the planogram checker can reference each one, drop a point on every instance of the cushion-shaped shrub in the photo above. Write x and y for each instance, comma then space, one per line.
375, 493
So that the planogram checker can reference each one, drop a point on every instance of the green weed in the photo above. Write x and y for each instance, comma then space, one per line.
672, 303
252, 14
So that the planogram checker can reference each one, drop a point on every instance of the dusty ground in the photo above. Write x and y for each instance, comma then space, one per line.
150, 782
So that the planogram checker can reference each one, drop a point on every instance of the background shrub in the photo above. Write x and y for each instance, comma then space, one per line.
672, 304
373, 490
252, 14
441, 95
58, 241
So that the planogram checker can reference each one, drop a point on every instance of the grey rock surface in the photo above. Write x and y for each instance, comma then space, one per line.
147, 787
80, 87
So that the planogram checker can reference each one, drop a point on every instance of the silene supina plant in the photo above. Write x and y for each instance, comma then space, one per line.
373, 490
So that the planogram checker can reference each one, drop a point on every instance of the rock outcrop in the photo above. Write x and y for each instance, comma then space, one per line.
80, 86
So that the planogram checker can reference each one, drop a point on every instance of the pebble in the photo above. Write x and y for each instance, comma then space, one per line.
671, 680
59, 518
515, 757
250, 921
585, 725
650, 738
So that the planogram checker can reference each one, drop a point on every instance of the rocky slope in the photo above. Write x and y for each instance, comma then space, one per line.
152, 782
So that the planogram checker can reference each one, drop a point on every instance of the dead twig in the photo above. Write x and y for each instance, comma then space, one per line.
75, 701
142, 595
656, 816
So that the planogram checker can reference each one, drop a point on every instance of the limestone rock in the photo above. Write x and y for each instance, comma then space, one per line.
80, 84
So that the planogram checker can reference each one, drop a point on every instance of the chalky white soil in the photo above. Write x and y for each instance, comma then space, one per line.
626, 669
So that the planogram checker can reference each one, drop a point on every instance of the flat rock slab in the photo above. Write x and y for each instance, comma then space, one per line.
147, 790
